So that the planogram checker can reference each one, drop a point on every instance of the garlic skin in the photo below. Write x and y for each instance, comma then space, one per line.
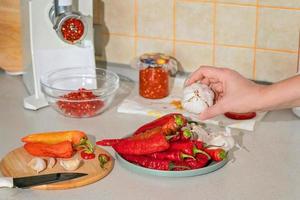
37, 164
197, 97
225, 142
70, 164
51, 163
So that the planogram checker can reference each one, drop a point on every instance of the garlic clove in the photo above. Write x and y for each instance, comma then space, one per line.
37, 164
70, 164
51, 162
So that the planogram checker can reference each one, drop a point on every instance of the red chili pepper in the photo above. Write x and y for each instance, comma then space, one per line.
175, 137
108, 142
153, 163
169, 123
103, 159
200, 161
187, 147
150, 141
87, 155
216, 154
170, 155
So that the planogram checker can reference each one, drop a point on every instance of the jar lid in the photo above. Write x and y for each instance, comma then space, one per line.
154, 60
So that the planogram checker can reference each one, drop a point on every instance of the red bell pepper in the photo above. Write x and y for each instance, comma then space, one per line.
169, 123
148, 142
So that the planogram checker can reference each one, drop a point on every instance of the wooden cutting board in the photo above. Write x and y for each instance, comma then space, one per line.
14, 164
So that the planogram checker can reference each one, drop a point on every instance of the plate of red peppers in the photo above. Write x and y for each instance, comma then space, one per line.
165, 147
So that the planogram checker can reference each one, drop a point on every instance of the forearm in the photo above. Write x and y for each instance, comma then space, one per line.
284, 94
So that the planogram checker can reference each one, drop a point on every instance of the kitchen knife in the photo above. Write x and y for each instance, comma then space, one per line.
29, 181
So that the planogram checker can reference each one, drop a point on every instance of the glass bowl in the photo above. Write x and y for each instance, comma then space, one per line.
80, 92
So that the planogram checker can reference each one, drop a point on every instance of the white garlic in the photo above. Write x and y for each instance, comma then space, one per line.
197, 97
37, 164
51, 162
225, 142
70, 164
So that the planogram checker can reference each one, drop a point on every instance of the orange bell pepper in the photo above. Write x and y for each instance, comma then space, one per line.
74, 136
59, 150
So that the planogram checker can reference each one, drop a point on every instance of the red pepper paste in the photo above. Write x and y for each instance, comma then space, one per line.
154, 82
72, 29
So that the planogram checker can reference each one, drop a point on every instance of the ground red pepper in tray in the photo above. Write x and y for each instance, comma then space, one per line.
82, 103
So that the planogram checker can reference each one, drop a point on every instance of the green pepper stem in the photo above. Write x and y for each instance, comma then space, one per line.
178, 120
195, 151
183, 156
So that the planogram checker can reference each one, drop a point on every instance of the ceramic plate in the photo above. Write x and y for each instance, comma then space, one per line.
213, 166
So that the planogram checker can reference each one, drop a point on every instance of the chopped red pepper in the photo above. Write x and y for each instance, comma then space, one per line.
103, 159
72, 29
81, 103
87, 155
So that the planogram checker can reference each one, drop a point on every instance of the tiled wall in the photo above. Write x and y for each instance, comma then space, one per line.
258, 38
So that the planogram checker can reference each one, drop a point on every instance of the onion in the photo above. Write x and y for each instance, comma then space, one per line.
197, 97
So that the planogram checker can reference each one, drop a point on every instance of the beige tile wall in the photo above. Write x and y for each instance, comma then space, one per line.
258, 38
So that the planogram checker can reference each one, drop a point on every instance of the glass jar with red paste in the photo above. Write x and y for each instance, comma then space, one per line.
154, 70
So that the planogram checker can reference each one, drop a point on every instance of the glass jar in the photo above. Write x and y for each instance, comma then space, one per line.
154, 70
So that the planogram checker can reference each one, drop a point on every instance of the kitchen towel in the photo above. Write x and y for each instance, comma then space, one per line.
135, 104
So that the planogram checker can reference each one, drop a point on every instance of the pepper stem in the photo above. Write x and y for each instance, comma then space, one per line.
183, 156
178, 120
187, 133
195, 151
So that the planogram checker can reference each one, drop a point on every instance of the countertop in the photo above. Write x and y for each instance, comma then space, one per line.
268, 167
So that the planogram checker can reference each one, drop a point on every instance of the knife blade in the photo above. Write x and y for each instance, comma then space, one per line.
30, 181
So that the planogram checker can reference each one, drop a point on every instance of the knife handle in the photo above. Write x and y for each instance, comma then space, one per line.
6, 182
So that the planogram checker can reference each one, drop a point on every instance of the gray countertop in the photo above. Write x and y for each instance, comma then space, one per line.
268, 167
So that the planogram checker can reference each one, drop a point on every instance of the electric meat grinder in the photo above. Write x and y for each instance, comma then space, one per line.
56, 34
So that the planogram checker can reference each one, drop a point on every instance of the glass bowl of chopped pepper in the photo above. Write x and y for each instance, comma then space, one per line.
80, 92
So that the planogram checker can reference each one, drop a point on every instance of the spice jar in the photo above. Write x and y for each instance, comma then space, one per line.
154, 70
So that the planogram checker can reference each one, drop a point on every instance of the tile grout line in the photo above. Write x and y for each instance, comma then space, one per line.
174, 28
135, 27
242, 5
255, 40
202, 43
214, 18
298, 59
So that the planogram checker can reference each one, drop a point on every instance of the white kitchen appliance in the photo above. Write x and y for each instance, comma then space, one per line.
56, 34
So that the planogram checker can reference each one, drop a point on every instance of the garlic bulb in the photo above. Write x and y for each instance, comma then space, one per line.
37, 164
70, 164
197, 97
51, 162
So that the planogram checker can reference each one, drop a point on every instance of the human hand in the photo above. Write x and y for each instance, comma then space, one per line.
233, 92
